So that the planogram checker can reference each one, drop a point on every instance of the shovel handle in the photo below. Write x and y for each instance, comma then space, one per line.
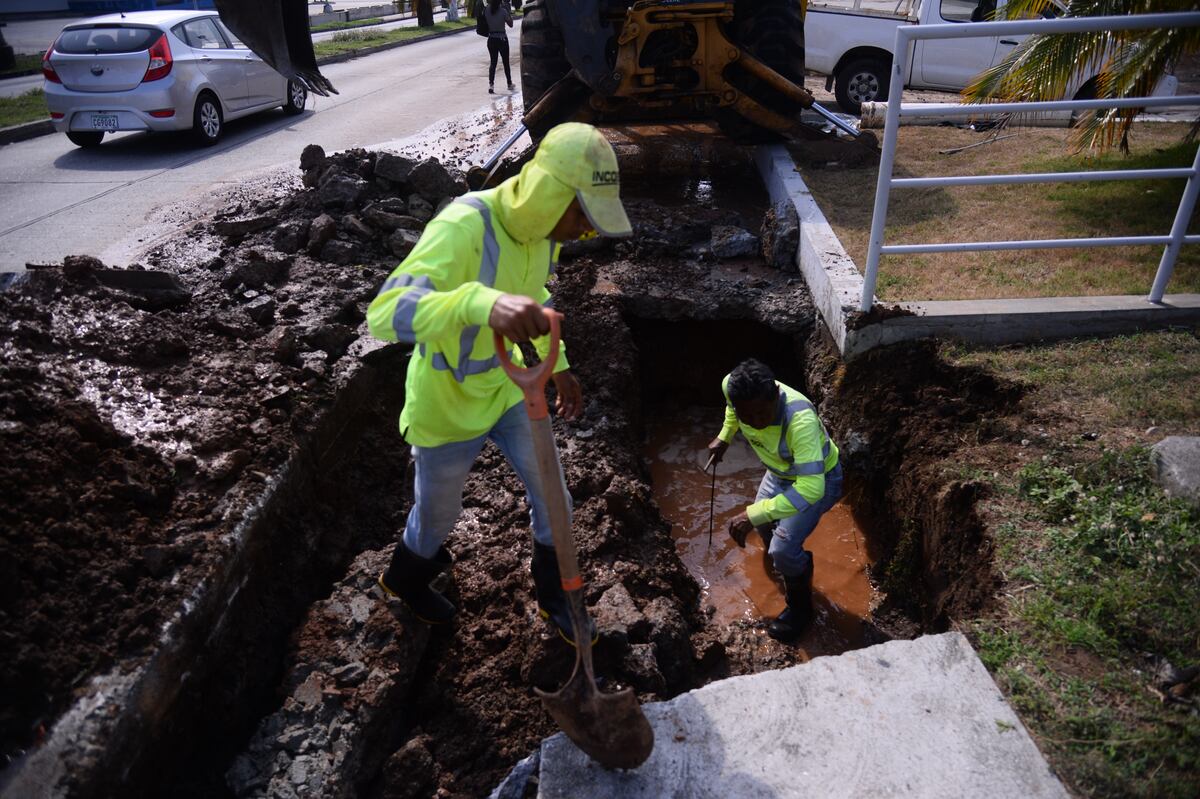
532, 379
532, 382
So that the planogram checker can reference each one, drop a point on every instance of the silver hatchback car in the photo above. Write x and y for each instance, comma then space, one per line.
157, 71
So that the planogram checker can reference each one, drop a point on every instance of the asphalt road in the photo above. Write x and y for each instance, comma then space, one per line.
113, 202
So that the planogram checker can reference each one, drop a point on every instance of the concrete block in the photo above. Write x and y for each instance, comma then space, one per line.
1176, 464
915, 718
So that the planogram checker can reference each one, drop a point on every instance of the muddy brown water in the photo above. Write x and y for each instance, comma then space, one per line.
738, 583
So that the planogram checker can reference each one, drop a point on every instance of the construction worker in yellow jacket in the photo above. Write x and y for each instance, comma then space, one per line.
803, 479
481, 265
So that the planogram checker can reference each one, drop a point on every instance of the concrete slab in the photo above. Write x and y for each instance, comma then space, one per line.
915, 718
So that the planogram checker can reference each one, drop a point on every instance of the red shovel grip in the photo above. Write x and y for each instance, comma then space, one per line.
532, 380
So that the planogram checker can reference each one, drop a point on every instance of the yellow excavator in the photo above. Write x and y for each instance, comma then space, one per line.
739, 62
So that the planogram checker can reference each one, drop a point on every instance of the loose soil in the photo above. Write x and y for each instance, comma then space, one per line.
136, 439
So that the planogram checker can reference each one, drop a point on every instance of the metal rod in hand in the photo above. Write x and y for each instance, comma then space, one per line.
493, 162
712, 497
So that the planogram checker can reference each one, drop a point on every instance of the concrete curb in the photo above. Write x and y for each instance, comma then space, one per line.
43, 127
837, 287
337, 59
28, 130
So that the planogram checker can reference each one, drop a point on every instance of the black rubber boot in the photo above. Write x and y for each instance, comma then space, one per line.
794, 620
552, 601
408, 578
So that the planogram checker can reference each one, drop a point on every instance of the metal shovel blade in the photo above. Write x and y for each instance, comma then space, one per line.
610, 728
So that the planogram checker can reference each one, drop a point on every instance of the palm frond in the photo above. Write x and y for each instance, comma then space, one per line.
1125, 63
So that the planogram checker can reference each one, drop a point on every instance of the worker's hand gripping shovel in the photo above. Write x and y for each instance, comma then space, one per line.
610, 728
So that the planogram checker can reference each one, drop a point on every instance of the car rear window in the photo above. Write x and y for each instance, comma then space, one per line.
106, 39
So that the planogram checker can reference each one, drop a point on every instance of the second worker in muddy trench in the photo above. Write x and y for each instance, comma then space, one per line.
481, 265
803, 480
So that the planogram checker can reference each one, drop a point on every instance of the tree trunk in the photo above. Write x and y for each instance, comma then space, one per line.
425, 13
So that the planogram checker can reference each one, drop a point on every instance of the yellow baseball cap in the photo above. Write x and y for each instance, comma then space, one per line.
579, 156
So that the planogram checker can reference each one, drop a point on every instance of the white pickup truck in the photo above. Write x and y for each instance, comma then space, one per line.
851, 42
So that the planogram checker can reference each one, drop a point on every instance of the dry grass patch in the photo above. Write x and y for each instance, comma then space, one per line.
1007, 212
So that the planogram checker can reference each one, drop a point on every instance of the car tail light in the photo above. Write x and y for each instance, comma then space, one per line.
48, 71
56, 115
160, 60
163, 113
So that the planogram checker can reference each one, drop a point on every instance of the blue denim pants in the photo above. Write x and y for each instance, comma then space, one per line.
442, 471
785, 543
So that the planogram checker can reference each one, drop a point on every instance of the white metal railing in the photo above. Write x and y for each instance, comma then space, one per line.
905, 34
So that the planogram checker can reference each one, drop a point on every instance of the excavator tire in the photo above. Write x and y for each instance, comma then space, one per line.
773, 31
543, 59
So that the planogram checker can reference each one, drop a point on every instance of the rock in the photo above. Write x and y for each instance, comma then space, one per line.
392, 205
642, 666
81, 267
342, 191
732, 242
411, 771
420, 208
383, 220
320, 231
433, 180
228, 464
1176, 464
618, 617
283, 344
312, 157
244, 226
402, 241
395, 168
262, 310
781, 236
352, 673
332, 339
313, 364
258, 270
290, 236
339, 252
355, 227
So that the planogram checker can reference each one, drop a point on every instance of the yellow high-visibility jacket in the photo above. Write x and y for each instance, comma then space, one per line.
795, 447
440, 297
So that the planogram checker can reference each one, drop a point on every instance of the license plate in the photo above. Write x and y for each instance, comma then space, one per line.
104, 121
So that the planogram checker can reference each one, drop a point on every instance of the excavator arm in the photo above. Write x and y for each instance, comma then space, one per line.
277, 32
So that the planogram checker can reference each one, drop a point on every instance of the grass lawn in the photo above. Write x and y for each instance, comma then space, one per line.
27, 107
1039, 211
24, 63
1100, 571
350, 41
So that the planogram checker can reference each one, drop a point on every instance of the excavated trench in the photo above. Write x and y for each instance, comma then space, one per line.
256, 638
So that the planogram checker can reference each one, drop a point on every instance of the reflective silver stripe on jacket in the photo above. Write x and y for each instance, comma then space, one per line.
489, 264
799, 469
406, 305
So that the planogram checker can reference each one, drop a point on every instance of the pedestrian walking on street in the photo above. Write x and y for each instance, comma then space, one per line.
497, 16
481, 265
803, 480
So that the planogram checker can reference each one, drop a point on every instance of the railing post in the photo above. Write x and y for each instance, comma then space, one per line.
1178, 230
887, 156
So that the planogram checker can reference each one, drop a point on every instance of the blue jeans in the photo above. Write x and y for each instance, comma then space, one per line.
441, 472
786, 543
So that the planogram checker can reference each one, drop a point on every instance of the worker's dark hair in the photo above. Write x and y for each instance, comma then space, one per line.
751, 380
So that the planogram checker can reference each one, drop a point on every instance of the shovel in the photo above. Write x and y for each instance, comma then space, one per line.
610, 728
